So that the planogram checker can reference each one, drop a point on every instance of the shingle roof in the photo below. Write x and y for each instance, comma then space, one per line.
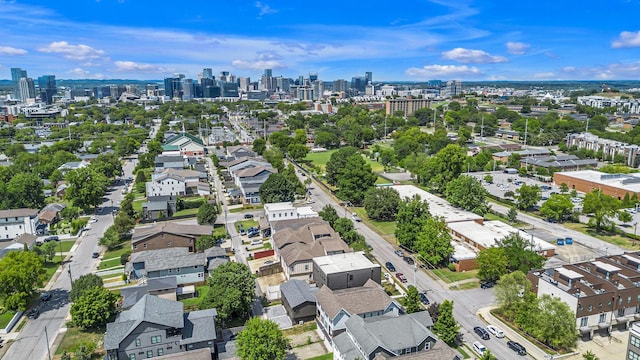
357, 300
254, 171
214, 252
170, 258
199, 326
151, 309
298, 292
169, 158
143, 232
18, 213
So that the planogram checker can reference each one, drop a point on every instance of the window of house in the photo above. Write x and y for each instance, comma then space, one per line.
169, 243
629, 299
160, 352
590, 308
156, 339
149, 354
609, 303
600, 305
132, 356
634, 340
633, 356
603, 318
580, 308
135, 247
137, 342
306, 267
145, 245
583, 321
620, 312
427, 345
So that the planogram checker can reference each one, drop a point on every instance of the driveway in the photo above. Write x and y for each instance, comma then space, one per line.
278, 315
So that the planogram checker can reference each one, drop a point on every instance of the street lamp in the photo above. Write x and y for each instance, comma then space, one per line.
69, 271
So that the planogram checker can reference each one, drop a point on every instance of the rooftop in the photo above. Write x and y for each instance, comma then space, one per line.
437, 206
625, 182
338, 263
488, 234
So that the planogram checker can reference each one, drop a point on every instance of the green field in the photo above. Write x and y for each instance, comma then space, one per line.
74, 337
328, 356
322, 158
51, 267
5, 317
449, 276
385, 228
246, 224
193, 303
186, 212
614, 239
115, 253
65, 246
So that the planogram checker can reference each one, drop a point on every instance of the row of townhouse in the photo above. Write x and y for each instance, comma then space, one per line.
607, 147
247, 172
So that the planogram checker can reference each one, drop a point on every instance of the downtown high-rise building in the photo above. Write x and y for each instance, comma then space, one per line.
47, 88
340, 85
16, 75
368, 76
27, 88
207, 73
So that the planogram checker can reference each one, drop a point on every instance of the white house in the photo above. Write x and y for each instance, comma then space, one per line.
167, 183
15, 222
286, 211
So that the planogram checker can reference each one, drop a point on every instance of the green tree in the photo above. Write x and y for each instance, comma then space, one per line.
442, 168
261, 339
297, 152
602, 207
434, 241
624, 217
446, 327
337, 162
231, 291
381, 203
107, 164
207, 214
520, 255
110, 239
557, 207
329, 214
70, 212
487, 355
205, 242
278, 188
589, 355
512, 214
82, 284
488, 178
20, 275
509, 292
259, 146
412, 215
275, 157
343, 226
355, 179
564, 188
411, 300
94, 308
492, 262
24, 190
528, 196
555, 323
86, 187
48, 250
466, 192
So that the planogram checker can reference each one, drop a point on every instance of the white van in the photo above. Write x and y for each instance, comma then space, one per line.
479, 348
256, 242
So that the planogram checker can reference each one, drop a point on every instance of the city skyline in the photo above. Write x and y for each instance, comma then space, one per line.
409, 41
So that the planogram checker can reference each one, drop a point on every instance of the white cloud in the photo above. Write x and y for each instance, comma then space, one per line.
545, 75
265, 9
10, 51
73, 52
467, 56
258, 64
627, 39
445, 71
80, 73
517, 48
124, 66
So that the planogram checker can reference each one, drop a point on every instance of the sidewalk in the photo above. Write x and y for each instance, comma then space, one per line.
532, 349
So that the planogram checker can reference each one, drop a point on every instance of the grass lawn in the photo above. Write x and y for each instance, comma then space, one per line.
185, 212
51, 267
246, 224
490, 216
65, 246
320, 158
390, 289
299, 329
611, 238
5, 317
137, 205
385, 228
74, 337
449, 276
466, 286
109, 263
328, 356
246, 208
193, 303
219, 231
381, 180
375, 166
115, 253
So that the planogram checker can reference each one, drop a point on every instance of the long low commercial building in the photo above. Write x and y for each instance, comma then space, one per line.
616, 185
438, 206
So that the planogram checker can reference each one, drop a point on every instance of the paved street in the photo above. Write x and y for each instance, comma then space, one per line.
30, 344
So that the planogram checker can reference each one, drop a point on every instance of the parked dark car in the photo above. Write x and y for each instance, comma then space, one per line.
484, 334
487, 284
248, 216
424, 298
517, 347
52, 238
408, 260
390, 266
95, 255
33, 313
254, 234
45, 296
568, 241
401, 277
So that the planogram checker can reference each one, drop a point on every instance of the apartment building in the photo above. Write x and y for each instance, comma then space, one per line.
603, 293
407, 105
15, 222
608, 147
616, 185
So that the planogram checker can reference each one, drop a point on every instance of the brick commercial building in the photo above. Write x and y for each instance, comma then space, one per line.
616, 185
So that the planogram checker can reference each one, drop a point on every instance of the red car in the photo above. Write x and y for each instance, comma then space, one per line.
401, 277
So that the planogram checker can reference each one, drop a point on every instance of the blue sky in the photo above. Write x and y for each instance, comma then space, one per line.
404, 40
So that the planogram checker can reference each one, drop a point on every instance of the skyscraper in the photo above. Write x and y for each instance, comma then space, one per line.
268, 72
47, 85
368, 76
16, 75
207, 73
27, 88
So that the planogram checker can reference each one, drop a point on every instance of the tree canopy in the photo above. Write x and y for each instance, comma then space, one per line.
602, 207
381, 203
557, 207
261, 339
412, 216
94, 308
207, 214
466, 192
86, 187
527, 196
20, 275
231, 291
82, 284
446, 327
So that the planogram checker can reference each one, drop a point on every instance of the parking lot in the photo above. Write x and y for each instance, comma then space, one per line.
503, 183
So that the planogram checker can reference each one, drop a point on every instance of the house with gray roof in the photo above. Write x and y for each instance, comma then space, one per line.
299, 300
15, 222
162, 235
335, 307
187, 267
164, 287
158, 207
156, 327
406, 336
169, 162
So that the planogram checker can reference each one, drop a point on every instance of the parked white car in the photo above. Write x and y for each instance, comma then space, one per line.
479, 348
495, 331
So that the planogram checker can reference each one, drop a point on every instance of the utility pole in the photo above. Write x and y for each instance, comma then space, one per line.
482, 129
46, 337
69, 271
526, 128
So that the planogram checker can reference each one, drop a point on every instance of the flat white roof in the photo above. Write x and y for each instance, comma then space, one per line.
612, 180
281, 206
343, 262
488, 234
306, 211
568, 273
605, 266
437, 206
461, 252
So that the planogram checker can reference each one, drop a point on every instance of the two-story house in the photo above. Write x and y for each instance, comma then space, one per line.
164, 235
169, 162
239, 151
297, 242
186, 143
167, 183
156, 327
286, 211
406, 336
15, 222
335, 307
187, 267
341, 271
